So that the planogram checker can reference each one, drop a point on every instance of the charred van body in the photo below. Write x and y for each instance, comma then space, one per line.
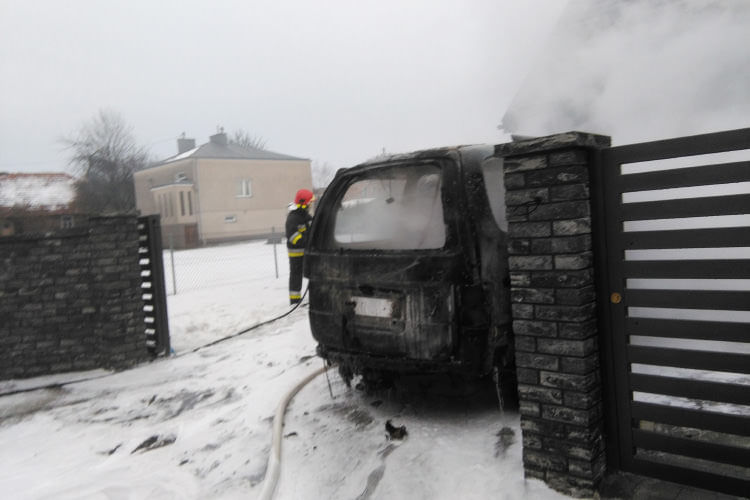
407, 267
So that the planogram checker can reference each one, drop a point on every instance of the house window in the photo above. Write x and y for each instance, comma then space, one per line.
171, 204
180, 177
244, 188
230, 219
182, 203
66, 221
190, 203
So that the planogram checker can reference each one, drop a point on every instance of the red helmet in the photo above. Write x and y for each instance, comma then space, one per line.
303, 197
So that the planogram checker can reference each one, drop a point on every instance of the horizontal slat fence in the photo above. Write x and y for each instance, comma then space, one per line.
680, 354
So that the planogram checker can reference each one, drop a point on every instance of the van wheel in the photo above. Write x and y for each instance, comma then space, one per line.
346, 374
375, 380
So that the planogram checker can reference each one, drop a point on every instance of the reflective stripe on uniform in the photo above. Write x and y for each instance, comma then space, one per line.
296, 236
296, 253
295, 295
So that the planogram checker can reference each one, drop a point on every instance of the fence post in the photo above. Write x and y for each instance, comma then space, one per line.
150, 237
171, 258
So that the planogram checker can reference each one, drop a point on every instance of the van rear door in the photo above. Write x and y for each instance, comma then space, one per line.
383, 261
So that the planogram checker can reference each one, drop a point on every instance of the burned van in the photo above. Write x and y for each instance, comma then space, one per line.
407, 267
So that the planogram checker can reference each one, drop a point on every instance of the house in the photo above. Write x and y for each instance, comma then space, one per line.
220, 191
36, 203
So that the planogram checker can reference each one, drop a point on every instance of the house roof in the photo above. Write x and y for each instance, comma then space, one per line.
49, 191
221, 149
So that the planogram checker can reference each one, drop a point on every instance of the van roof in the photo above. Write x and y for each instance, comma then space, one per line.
426, 153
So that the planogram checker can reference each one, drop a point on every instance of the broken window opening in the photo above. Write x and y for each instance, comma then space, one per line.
394, 208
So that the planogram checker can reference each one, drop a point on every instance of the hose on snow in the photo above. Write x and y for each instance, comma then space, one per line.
251, 328
274, 460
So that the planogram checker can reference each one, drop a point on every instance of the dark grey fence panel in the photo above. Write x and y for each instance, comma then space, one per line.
678, 323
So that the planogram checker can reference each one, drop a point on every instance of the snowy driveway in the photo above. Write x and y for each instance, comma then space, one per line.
197, 425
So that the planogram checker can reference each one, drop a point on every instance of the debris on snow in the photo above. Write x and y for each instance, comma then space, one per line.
112, 451
395, 432
506, 437
155, 442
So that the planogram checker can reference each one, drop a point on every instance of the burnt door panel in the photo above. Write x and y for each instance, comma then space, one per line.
384, 305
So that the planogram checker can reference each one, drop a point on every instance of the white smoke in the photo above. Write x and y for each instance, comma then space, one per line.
644, 70
640, 70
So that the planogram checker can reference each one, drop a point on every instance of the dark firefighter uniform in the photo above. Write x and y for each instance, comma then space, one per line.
297, 224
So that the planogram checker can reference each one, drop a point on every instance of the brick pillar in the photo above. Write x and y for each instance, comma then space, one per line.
554, 308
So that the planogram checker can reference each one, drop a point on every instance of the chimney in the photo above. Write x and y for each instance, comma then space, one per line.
184, 144
219, 138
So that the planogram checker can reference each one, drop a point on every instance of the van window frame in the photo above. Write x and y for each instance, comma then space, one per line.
449, 182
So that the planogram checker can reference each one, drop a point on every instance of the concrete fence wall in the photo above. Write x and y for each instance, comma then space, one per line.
71, 301
554, 308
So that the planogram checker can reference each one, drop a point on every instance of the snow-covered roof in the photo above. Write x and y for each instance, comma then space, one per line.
48, 191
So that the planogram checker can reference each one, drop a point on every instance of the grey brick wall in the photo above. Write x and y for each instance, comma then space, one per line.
554, 309
71, 301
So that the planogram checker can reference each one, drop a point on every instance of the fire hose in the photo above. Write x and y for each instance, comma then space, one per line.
274, 460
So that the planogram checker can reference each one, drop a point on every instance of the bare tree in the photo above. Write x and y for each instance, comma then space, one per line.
105, 155
322, 173
246, 140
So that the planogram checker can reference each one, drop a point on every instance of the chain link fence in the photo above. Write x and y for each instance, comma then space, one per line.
225, 264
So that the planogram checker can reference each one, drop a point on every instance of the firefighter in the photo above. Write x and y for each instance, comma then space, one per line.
297, 223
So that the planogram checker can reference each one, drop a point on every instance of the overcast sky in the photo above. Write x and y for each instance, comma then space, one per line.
334, 81
640, 70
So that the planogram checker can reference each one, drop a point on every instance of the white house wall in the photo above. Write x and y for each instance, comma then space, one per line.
155, 177
225, 215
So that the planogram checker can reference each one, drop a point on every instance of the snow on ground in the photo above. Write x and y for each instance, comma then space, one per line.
197, 425
222, 290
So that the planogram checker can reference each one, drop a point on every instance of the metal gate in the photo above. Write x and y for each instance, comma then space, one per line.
154, 294
675, 284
